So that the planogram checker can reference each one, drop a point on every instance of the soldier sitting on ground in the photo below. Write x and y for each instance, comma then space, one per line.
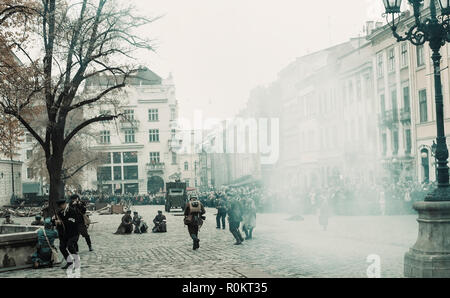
8, 220
38, 221
160, 223
46, 239
140, 226
126, 226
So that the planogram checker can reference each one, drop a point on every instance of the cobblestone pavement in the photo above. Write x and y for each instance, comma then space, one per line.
280, 248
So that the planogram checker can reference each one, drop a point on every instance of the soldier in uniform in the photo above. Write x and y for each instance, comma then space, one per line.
249, 218
80, 207
38, 221
160, 223
234, 220
126, 226
221, 213
67, 222
8, 220
140, 226
193, 218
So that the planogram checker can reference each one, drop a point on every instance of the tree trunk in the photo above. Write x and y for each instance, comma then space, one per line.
56, 192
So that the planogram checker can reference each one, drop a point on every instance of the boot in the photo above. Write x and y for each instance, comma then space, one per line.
238, 240
89, 243
195, 242
246, 233
240, 236
250, 233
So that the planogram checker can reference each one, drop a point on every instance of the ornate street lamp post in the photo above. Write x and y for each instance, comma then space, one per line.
430, 255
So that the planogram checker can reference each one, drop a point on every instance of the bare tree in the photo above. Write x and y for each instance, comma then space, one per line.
78, 41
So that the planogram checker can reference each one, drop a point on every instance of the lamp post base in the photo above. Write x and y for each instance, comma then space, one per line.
430, 255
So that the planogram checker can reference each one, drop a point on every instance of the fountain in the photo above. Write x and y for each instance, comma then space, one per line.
17, 244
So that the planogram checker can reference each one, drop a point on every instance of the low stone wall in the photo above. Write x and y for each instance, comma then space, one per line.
17, 244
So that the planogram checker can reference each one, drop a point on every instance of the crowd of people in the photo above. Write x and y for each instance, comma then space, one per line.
238, 205
358, 199
261, 197
124, 199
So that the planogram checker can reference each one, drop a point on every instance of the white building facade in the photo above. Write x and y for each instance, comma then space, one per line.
141, 147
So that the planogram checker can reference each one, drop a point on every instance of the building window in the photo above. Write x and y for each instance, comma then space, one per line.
380, 70
130, 157
395, 142
105, 113
105, 157
382, 104
29, 153
128, 114
117, 173
394, 104
154, 157
129, 136
391, 57
384, 141
420, 56
404, 54
408, 141
423, 105
131, 188
173, 114
174, 158
29, 138
104, 174
130, 172
29, 173
406, 103
153, 135
186, 166
153, 115
105, 137
117, 157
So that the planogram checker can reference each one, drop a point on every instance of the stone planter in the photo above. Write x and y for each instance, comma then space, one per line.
17, 244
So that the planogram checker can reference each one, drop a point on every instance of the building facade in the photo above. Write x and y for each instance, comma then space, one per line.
140, 147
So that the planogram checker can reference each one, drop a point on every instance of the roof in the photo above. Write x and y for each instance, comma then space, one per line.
143, 76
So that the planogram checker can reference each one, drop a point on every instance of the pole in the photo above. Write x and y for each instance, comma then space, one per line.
12, 177
441, 144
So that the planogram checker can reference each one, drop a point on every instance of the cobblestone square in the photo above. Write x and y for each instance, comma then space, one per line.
280, 248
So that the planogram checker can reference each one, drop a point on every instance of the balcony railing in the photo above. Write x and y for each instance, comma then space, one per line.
155, 166
129, 124
174, 143
405, 115
388, 118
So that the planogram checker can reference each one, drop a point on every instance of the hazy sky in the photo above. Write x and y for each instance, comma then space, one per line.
218, 50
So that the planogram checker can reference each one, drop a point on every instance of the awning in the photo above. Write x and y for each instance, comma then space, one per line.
31, 187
